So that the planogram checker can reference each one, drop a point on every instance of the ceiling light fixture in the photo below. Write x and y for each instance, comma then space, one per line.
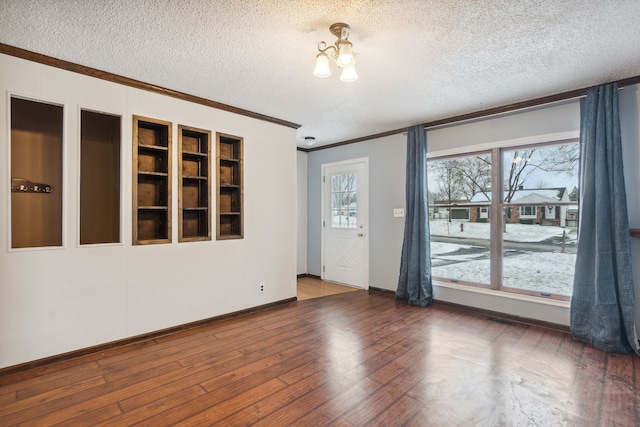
309, 140
341, 51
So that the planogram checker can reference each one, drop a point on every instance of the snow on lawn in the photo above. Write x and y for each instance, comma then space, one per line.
543, 271
550, 272
514, 233
443, 248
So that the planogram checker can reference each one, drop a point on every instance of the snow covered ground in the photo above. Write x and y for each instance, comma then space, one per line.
545, 270
514, 233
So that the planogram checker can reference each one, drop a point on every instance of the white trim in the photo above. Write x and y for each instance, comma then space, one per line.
323, 201
524, 306
503, 294
508, 143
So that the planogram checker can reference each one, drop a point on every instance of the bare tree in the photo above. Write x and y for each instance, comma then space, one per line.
462, 178
448, 181
475, 174
555, 159
517, 172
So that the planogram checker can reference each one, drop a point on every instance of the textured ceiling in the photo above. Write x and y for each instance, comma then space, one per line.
417, 60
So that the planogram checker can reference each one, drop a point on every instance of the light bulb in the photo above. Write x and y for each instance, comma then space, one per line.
322, 66
349, 74
345, 55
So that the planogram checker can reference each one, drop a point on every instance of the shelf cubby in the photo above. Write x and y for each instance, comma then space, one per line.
99, 178
152, 181
194, 192
36, 173
229, 177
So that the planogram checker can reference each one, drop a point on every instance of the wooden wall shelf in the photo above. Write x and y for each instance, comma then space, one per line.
194, 192
229, 161
151, 181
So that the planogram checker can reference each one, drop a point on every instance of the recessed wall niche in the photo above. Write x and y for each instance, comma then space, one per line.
229, 159
194, 166
99, 178
36, 173
152, 181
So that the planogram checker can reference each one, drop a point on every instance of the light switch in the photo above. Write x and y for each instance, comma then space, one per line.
398, 212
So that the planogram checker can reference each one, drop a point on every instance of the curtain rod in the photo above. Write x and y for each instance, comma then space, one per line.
524, 108
490, 112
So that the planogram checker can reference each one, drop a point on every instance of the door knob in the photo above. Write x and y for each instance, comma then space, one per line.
360, 234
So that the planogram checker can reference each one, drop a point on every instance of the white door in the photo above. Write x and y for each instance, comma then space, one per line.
550, 212
345, 217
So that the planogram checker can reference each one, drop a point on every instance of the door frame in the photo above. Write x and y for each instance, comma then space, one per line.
365, 215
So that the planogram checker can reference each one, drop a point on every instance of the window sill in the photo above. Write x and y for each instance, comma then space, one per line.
503, 294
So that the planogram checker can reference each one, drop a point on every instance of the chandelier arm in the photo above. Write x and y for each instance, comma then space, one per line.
327, 48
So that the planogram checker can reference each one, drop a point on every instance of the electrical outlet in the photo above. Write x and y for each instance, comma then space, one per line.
261, 288
398, 212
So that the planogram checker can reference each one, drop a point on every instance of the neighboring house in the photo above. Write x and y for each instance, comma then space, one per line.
572, 216
457, 213
536, 206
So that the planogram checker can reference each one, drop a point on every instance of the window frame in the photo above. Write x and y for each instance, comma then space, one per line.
497, 206
523, 211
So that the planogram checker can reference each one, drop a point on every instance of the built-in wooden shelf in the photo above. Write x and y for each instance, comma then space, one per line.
194, 198
229, 160
151, 181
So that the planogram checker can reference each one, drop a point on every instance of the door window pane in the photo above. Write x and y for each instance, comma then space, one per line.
344, 208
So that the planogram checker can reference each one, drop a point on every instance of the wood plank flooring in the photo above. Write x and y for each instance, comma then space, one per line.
312, 287
350, 359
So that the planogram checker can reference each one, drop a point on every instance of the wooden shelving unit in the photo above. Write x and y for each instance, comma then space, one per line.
194, 164
229, 161
151, 181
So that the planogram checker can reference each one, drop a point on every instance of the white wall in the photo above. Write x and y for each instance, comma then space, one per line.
301, 264
62, 299
387, 175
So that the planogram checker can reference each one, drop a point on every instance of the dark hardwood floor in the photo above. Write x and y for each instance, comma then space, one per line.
351, 359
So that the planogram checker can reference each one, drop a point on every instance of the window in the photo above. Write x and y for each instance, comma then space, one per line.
460, 189
527, 211
344, 206
521, 231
